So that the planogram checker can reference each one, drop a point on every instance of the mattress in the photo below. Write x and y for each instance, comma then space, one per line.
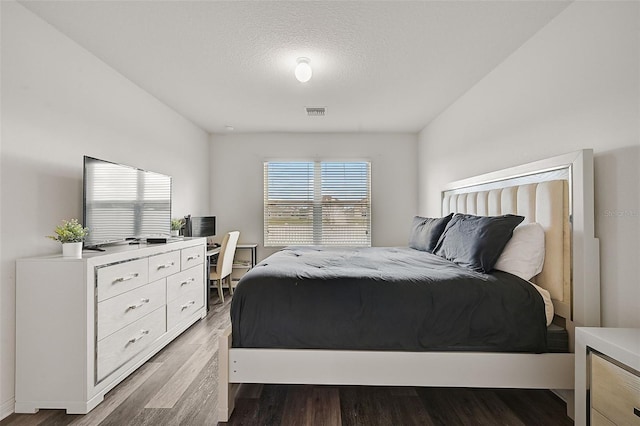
382, 298
557, 339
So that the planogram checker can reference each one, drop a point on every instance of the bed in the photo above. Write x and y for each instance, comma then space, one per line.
383, 298
557, 193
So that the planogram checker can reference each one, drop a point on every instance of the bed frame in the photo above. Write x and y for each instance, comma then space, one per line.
556, 192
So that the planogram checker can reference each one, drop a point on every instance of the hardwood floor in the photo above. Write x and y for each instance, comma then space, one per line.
178, 386
363, 405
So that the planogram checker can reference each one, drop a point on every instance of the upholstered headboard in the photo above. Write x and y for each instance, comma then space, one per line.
558, 194
546, 203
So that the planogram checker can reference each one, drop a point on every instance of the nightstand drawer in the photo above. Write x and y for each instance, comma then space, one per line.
615, 392
598, 419
122, 310
192, 256
163, 265
120, 277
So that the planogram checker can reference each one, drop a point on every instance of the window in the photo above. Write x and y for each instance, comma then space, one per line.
317, 203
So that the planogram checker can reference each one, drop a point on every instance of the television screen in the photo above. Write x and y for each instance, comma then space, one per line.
123, 202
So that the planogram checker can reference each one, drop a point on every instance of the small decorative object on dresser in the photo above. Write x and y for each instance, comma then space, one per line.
176, 226
71, 234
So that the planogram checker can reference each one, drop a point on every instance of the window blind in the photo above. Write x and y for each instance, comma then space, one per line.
317, 203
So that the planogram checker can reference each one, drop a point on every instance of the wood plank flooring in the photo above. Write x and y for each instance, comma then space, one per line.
178, 386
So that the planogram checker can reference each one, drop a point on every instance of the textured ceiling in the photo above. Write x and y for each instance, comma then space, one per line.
377, 66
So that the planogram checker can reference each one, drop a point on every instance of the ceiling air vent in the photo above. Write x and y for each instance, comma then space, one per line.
316, 111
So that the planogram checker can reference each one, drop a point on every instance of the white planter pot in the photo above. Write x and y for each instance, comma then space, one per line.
72, 250
175, 232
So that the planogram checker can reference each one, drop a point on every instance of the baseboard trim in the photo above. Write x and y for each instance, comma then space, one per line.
6, 409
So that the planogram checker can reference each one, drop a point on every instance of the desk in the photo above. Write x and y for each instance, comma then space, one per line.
214, 252
254, 251
243, 263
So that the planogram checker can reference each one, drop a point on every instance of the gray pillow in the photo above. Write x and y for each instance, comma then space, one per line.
426, 231
476, 242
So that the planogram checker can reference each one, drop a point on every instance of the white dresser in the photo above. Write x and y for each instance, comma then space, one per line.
607, 388
83, 325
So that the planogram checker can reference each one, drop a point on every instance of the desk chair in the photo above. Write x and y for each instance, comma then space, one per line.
224, 264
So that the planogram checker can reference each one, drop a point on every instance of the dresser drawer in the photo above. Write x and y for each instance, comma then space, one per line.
615, 392
163, 265
114, 351
192, 256
184, 306
122, 310
184, 281
121, 277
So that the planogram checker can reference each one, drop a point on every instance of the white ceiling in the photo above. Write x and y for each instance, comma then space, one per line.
377, 66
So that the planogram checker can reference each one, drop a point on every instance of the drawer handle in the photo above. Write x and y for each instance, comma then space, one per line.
127, 278
186, 305
138, 305
185, 282
166, 265
142, 334
193, 257
636, 411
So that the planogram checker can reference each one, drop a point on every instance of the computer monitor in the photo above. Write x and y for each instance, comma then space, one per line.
200, 226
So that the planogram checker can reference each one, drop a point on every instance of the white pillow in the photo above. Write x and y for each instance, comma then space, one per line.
524, 253
548, 304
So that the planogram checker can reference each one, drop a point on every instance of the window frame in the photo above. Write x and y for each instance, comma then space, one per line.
318, 205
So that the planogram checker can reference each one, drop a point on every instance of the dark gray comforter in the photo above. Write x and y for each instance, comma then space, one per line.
383, 299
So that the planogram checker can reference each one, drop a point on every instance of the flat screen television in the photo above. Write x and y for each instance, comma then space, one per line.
123, 202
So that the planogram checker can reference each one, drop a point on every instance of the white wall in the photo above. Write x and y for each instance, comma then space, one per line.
237, 178
573, 85
59, 102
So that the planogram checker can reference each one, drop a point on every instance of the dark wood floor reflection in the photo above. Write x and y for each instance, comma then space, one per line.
178, 386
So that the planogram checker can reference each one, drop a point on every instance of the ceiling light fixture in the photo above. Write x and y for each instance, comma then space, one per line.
303, 70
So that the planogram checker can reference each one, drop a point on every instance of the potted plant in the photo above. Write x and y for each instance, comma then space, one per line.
176, 226
71, 234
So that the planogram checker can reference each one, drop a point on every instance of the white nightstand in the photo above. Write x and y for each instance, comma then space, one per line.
608, 364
